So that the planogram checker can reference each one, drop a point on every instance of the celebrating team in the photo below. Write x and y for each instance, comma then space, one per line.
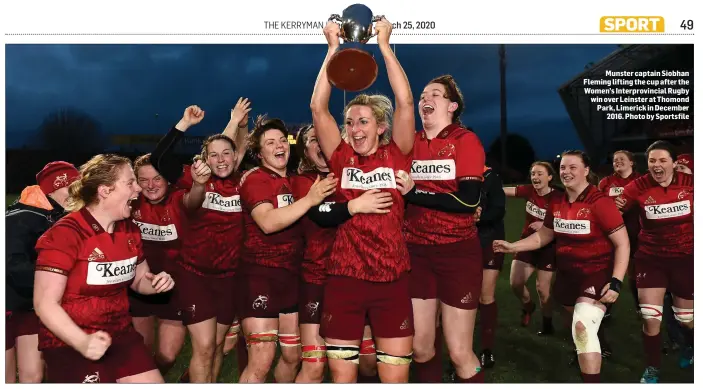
384, 246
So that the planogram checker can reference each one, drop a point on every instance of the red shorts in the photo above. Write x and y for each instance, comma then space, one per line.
127, 356
491, 259
450, 272
310, 303
348, 301
161, 305
266, 292
20, 323
541, 259
570, 286
676, 275
199, 298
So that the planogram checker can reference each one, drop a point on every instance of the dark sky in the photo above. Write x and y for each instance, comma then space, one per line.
124, 86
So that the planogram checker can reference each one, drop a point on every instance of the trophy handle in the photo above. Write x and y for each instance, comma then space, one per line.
374, 20
335, 18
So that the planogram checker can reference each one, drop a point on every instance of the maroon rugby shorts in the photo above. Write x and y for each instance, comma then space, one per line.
266, 292
570, 286
450, 272
310, 303
542, 259
491, 259
676, 275
9, 331
161, 305
348, 301
126, 356
199, 298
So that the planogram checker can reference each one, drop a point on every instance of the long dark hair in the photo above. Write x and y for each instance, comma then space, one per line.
301, 140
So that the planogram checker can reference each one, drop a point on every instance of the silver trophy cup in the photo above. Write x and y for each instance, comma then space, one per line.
352, 68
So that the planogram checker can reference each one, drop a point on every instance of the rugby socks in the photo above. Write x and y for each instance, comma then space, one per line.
431, 371
242, 355
489, 319
590, 378
652, 349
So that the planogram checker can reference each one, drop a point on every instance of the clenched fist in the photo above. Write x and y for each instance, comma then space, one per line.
95, 345
191, 116
200, 171
383, 30
332, 31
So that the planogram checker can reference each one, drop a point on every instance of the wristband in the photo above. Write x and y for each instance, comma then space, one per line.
615, 285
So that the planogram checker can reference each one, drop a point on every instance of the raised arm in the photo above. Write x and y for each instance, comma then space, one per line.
237, 128
200, 173
404, 116
162, 157
325, 126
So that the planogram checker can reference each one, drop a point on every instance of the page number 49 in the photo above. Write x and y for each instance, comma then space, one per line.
687, 24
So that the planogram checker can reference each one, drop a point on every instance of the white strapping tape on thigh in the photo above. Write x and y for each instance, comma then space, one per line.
650, 311
590, 316
684, 315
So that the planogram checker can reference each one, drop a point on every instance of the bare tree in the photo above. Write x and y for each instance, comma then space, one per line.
71, 129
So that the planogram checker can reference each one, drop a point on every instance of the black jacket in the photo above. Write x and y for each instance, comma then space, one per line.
491, 225
25, 221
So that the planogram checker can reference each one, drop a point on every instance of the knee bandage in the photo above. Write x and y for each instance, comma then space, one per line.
683, 315
590, 316
346, 353
314, 353
650, 311
289, 340
262, 337
388, 359
234, 330
368, 347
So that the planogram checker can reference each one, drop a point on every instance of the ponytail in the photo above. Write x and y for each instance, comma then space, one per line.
75, 201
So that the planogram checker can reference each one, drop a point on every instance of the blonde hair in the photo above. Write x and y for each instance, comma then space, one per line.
102, 169
382, 110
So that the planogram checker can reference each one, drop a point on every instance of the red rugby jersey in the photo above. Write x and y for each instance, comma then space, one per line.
666, 215
613, 187
215, 231
438, 166
536, 206
162, 228
370, 246
318, 240
582, 229
99, 267
283, 249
